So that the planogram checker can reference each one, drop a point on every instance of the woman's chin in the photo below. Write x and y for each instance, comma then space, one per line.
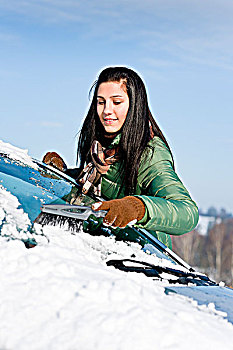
111, 129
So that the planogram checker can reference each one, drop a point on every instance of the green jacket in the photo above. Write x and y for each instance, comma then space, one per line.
169, 207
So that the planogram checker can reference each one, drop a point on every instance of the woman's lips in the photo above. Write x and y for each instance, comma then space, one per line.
109, 121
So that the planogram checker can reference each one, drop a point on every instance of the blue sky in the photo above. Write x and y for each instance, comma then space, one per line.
51, 52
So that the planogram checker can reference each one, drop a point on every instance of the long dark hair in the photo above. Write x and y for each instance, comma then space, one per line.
135, 132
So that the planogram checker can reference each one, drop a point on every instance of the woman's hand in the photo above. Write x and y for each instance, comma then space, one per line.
121, 211
53, 159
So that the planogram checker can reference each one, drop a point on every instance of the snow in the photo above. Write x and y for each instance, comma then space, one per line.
13, 221
62, 295
205, 223
16, 153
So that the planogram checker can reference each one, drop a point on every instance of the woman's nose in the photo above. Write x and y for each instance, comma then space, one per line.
108, 108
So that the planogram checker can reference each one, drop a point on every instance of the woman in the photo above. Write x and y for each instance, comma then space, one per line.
125, 157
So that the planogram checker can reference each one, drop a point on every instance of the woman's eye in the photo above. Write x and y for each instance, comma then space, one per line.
100, 102
117, 102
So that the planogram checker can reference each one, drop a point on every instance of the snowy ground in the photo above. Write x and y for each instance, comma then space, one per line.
62, 295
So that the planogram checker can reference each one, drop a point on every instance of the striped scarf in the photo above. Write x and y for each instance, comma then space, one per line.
102, 159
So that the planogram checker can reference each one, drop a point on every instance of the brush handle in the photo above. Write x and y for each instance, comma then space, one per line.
71, 211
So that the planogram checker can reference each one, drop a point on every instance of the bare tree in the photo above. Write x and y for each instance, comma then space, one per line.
188, 246
212, 254
219, 251
218, 233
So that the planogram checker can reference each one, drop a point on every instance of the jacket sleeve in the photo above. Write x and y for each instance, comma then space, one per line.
73, 172
169, 207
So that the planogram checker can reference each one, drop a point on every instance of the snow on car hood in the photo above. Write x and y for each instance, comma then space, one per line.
13, 221
61, 295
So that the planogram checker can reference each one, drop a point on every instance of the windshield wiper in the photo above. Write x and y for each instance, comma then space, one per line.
150, 270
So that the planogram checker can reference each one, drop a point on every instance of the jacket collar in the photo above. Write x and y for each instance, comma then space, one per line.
115, 141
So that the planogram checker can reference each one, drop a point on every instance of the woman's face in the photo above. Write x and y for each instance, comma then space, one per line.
112, 105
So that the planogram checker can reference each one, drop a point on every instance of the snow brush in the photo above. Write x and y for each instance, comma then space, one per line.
77, 217
70, 215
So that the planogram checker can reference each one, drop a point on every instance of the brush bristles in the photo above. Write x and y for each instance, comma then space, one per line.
71, 224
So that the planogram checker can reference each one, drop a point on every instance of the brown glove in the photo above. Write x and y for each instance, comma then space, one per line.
53, 159
121, 211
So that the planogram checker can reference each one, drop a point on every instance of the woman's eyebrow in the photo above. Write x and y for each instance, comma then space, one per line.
110, 96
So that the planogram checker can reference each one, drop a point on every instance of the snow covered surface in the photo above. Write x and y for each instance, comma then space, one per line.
204, 223
62, 295
16, 153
